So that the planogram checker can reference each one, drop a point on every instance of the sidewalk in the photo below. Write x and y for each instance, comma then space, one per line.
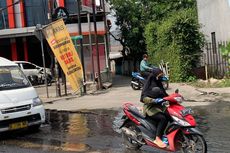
121, 92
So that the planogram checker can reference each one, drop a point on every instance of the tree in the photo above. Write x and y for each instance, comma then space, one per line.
176, 40
225, 52
163, 28
131, 23
133, 16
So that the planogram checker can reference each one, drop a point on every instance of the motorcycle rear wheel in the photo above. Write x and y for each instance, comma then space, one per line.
129, 142
134, 86
195, 144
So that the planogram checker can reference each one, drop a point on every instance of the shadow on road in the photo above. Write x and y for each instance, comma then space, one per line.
121, 81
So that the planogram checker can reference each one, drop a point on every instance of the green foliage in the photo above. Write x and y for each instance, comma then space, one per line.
133, 15
225, 83
225, 51
218, 84
191, 79
168, 29
131, 23
176, 40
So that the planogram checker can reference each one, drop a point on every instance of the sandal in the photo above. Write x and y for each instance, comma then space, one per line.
160, 144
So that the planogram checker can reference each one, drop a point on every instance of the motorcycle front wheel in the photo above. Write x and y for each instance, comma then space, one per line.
128, 141
136, 84
194, 143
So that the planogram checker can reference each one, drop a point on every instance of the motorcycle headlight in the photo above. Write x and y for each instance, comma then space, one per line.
180, 121
36, 102
179, 99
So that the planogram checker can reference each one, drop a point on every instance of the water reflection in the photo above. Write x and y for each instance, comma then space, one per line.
91, 129
70, 128
214, 122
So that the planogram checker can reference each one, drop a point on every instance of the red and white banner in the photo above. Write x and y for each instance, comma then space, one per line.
87, 6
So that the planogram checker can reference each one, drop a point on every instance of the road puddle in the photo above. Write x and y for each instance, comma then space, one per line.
214, 122
97, 132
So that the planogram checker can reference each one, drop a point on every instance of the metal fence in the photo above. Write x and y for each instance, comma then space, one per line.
216, 66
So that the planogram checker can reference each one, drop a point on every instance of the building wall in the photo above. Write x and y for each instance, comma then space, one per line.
36, 12
4, 16
27, 14
214, 16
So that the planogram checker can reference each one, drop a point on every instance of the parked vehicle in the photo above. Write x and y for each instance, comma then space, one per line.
35, 73
138, 81
40, 78
20, 106
49, 78
33, 79
181, 133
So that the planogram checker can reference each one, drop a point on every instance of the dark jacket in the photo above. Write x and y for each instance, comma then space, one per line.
147, 95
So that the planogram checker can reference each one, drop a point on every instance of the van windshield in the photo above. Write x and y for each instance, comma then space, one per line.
11, 77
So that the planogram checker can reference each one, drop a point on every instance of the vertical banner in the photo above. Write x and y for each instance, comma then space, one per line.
62, 46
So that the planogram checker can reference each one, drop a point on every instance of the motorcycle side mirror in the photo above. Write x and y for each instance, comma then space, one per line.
177, 91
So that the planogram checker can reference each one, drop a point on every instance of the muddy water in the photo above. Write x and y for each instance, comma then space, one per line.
96, 132
214, 122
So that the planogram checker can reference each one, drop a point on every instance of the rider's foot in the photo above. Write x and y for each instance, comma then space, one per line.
159, 143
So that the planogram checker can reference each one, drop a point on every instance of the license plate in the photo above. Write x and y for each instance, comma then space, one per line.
18, 125
186, 111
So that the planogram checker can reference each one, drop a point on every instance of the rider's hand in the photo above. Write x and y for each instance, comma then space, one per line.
158, 100
165, 103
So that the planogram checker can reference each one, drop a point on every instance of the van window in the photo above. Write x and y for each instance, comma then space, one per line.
28, 66
12, 77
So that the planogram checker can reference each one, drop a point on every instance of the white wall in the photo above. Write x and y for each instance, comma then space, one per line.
214, 15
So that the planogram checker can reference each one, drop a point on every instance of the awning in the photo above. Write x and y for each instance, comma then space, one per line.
72, 28
17, 32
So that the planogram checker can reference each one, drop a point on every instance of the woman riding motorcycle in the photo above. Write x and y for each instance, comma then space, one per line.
151, 95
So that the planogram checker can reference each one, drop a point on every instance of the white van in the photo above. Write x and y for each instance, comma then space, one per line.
20, 106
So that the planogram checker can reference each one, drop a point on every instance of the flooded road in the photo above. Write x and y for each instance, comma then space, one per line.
95, 132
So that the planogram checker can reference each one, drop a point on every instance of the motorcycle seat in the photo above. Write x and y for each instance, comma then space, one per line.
136, 112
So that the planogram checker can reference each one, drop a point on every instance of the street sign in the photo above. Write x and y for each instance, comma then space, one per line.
61, 12
37, 31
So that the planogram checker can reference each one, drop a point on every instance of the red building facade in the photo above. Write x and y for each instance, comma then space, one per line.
18, 41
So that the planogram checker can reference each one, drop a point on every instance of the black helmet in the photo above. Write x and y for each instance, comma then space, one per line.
157, 73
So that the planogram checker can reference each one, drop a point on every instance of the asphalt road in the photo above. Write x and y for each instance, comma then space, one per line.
95, 132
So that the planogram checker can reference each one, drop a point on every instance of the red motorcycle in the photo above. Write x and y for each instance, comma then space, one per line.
180, 135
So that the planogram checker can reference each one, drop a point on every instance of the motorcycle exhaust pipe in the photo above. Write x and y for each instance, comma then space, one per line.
135, 83
131, 134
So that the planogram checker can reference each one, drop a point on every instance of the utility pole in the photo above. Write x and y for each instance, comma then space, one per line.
81, 44
106, 36
90, 45
39, 29
97, 49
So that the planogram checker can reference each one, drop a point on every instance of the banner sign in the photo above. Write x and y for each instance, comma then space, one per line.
63, 48
87, 6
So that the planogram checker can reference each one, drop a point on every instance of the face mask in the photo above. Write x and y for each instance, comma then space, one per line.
163, 78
